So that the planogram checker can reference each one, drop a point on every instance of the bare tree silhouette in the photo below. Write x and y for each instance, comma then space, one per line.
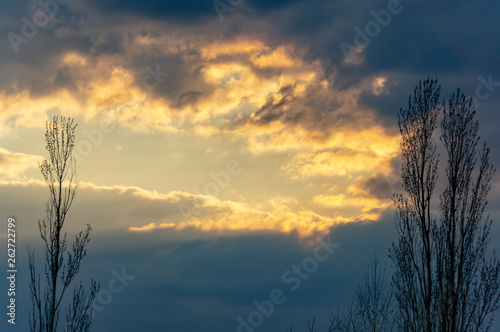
413, 253
371, 308
467, 282
59, 172
443, 280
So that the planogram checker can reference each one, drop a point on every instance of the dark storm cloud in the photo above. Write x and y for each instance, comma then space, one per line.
179, 11
189, 280
110, 42
31, 58
455, 41
451, 40
380, 186
192, 11
222, 277
423, 39
206, 282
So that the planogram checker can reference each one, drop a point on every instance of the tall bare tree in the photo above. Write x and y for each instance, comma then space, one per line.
61, 265
443, 280
413, 254
467, 281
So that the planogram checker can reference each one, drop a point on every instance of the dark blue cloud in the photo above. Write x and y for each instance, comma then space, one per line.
192, 11
206, 283
180, 11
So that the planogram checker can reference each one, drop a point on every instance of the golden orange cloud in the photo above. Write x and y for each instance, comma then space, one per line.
107, 85
239, 84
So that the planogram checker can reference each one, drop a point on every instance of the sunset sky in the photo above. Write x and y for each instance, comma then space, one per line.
219, 142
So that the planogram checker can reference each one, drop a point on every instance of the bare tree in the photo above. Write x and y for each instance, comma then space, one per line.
334, 326
467, 282
373, 302
371, 308
413, 253
61, 265
443, 280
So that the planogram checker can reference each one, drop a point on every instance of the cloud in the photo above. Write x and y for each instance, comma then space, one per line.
278, 214
206, 85
188, 12
238, 270
14, 164
139, 210
344, 162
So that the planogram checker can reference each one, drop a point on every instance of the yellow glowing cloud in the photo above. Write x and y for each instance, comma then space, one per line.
102, 88
236, 83
152, 226
278, 58
213, 215
344, 162
279, 214
365, 204
34, 110
208, 213
23, 183
230, 82
231, 48
333, 132
379, 86
343, 151
107, 85
13, 165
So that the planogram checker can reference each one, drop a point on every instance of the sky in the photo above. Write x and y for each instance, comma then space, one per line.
222, 144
